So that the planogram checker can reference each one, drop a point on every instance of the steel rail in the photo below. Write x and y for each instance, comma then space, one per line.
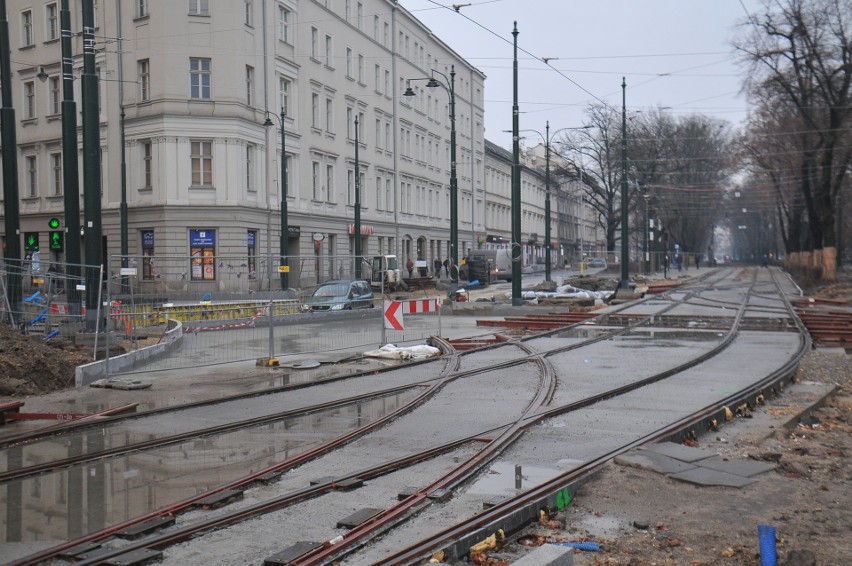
457, 539
282, 465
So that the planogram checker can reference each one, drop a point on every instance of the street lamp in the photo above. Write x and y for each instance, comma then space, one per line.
454, 208
547, 138
284, 241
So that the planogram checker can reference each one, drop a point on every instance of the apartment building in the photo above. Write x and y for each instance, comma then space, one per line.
202, 85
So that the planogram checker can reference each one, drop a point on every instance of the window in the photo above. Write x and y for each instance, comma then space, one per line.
31, 179
148, 270
378, 133
202, 249
347, 11
350, 187
315, 44
360, 68
284, 24
349, 117
315, 111
146, 164
378, 78
56, 173
251, 241
250, 168
349, 62
329, 182
141, 8
26, 28
360, 16
199, 78
248, 15
376, 28
51, 14
198, 8
249, 85
284, 95
329, 52
202, 163
54, 84
387, 83
387, 35
315, 179
378, 193
144, 70
29, 100
329, 115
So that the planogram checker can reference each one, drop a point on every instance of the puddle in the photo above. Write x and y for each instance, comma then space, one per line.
499, 479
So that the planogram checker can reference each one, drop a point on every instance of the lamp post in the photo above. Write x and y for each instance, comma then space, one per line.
448, 85
547, 139
624, 284
284, 240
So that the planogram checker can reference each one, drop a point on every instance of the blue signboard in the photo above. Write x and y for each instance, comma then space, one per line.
148, 239
202, 238
252, 237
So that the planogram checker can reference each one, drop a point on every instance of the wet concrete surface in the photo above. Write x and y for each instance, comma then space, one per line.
547, 448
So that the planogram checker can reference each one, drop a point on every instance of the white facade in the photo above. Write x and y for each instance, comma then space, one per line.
200, 79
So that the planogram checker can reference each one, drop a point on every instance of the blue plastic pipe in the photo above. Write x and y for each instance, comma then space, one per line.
588, 546
766, 537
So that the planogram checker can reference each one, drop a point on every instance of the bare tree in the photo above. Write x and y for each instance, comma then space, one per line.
801, 51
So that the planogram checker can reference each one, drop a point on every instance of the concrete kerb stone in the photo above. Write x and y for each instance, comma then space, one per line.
88, 373
548, 555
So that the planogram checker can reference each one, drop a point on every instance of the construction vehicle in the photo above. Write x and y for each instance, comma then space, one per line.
386, 274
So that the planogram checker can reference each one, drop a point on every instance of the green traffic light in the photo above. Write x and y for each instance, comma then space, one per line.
53, 223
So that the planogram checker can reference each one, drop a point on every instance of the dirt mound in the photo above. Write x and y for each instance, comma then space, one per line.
29, 365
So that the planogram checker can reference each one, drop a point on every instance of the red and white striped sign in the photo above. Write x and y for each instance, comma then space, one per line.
421, 306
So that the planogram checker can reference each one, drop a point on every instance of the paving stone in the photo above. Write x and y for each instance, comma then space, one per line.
706, 476
136, 557
489, 503
149, 526
679, 451
547, 555
407, 492
291, 553
745, 468
653, 461
358, 517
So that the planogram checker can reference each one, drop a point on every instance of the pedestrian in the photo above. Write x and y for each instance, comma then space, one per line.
437, 265
447, 265
765, 261
409, 265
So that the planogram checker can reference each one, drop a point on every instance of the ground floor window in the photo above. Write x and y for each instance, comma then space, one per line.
252, 253
148, 269
202, 250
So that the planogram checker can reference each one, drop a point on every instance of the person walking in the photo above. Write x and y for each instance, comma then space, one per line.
409, 265
437, 267
447, 265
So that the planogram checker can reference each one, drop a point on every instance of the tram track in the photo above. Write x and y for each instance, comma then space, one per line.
511, 432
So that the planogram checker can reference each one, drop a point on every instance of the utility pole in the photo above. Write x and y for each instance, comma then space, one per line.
624, 284
284, 243
8, 138
516, 181
70, 170
91, 166
357, 230
547, 201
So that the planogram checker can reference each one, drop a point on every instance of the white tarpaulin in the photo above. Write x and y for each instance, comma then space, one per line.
391, 352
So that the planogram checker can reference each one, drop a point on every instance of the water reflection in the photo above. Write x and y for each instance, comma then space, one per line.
75, 501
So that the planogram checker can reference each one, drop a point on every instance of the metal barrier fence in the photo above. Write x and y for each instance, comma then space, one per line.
51, 299
173, 312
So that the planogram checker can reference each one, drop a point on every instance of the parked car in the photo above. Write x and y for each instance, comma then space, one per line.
340, 295
596, 262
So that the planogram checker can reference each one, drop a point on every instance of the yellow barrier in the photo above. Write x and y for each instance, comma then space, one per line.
147, 315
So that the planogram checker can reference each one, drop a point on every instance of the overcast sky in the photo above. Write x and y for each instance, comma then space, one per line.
673, 53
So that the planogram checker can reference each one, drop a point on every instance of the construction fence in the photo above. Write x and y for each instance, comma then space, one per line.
188, 312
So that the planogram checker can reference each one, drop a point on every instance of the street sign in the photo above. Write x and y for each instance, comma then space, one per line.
393, 315
57, 241
283, 269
